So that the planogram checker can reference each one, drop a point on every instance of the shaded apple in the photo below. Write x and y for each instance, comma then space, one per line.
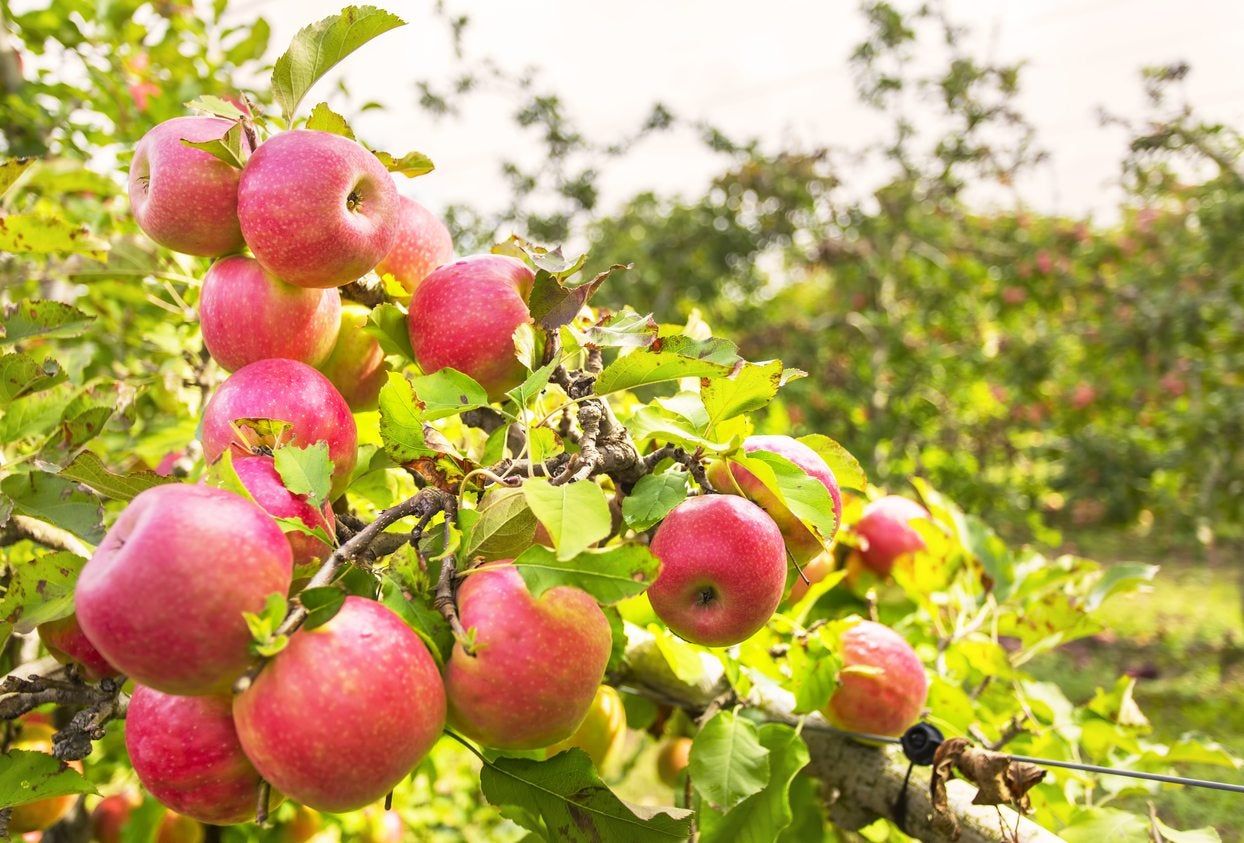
111, 815
317, 209
423, 243
304, 825
818, 569
183, 198
248, 314
672, 760
723, 569
185, 751
463, 316
67, 643
344, 712
36, 736
176, 828
356, 364
801, 544
259, 475
885, 527
288, 391
602, 731
162, 597
884, 703
536, 664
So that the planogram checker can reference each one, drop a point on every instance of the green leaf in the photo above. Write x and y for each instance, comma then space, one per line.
448, 392
652, 499
576, 515
36, 414
669, 359
324, 119
1118, 578
27, 776
426, 621
216, 107
684, 659
11, 169
1195, 835
751, 387
20, 375
322, 604
41, 233
89, 469
75, 429
625, 329
317, 48
57, 501
814, 680
574, 803
805, 496
263, 626
846, 468
505, 527
1105, 825
226, 148
305, 471
39, 590
143, 823
533, 385
410, 165
39, 317
387, 323
760, 818
401, 422
728, 764
609, 575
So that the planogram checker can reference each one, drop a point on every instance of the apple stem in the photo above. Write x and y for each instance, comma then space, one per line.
261, 806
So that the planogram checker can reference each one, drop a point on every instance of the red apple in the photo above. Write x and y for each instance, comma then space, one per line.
186, 753
536, 664
356, 364
36, 736
110, 816
260, 477
289, 391
886, 530
248, 314
723, 570
162, 597
801, 544
423, 243
672, 759
317, 209
184, 198
67, 643
464, 315
602, 731
878, 704
344, 712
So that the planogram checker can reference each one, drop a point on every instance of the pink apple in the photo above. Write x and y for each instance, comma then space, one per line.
423, 243
162, 597
536, 665
185, 751
344, 712
801, 544
67, 642
317, 209
884, 703
463, 316
356, 364
288, 391
259, 475
248, 314
885, 527
723, 570
184, 198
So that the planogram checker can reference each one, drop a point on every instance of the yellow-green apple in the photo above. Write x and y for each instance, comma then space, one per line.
463, 316
184, 198
344, 712
356, 364
260, 477
317, 209
381, 826
304, 825
111, 815
801, 544
886, 530
67, 643
185, 751
818, 569
36, 736
289, 391
163, 595
246, 314
536, 664
602, 732
176, 828
672, 760
878, 703
423, 243
723, 569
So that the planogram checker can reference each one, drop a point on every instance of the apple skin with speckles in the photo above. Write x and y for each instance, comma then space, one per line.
260, 477
344, 712
162, 597
185, 751
723, 570
801, 544
423, 243
317, 209
536, 665
289, 391
247, 314
184, 198
878, 704
356, 364
67, 643
463, 316
886, 529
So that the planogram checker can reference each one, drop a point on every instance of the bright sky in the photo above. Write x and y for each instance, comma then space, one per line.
776, 69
